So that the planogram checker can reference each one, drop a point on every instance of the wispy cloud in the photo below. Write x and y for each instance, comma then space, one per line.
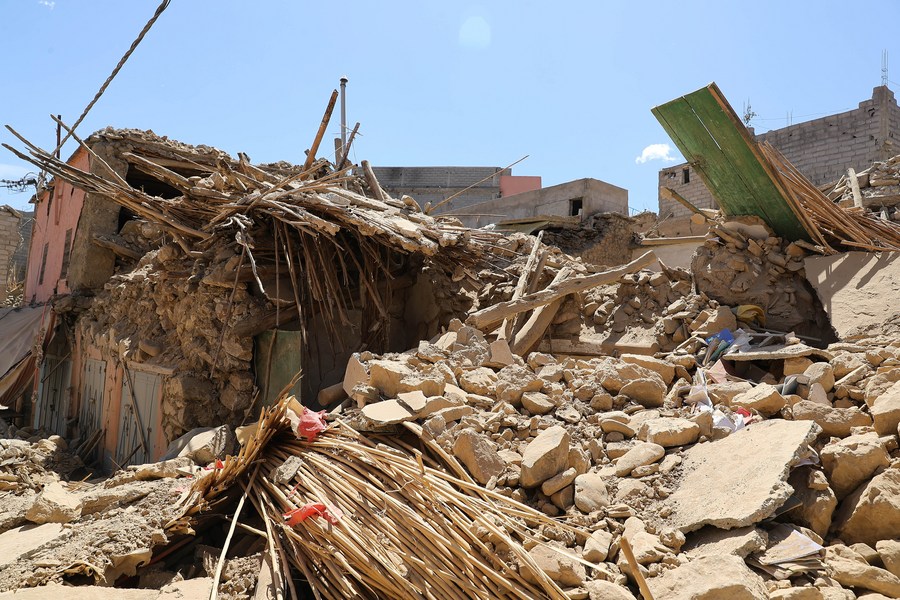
48, 3
661, 152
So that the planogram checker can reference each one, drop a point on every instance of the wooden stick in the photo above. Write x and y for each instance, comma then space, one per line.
534, 328
507, 327
493, 315
854, 187
311, 156
346, 150
635, 568
214, 591
372, 181
671, 194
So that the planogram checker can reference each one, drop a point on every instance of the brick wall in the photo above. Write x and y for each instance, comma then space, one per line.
822, 149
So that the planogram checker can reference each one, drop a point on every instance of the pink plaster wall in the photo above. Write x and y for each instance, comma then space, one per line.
52, 218
516, 184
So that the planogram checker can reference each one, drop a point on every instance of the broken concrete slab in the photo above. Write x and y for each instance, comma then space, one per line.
853, 287
709, 577
722, 487
712, 541
387, 412
25, 538
54, 504
779, 352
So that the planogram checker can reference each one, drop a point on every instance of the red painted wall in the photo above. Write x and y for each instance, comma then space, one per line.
516, 184
53, 217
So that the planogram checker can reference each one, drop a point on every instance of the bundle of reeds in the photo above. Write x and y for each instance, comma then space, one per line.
375, 518
828, 223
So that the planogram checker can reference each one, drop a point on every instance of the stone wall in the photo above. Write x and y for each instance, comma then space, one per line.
822, 149
9, 242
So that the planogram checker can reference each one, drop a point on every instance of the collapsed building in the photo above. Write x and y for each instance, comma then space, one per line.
498, 418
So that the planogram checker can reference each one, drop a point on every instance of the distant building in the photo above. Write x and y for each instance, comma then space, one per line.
483, 195
579, 198
822, 149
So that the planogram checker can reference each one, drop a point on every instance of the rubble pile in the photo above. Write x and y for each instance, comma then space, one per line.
697, 476
878, 188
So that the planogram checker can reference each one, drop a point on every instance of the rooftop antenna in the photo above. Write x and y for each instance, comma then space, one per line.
884, 68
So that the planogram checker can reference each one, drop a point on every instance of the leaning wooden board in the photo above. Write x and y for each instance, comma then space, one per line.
718, 146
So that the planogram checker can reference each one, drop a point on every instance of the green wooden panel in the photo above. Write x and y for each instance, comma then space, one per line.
703, 153
704, 127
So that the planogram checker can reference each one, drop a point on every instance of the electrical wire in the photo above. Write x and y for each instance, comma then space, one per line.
159, 10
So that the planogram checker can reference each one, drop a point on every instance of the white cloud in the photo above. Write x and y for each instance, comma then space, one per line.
48, 3
661, 152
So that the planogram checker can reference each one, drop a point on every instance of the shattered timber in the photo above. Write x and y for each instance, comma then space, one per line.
278, 381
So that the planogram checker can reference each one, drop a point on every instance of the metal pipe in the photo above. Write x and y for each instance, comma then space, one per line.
344, 81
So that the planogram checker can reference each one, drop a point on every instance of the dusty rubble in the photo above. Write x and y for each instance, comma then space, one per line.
554, 428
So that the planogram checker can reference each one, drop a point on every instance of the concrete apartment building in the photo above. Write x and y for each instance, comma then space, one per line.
495, 194
822, 149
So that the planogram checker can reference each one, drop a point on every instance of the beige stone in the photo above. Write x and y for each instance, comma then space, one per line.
608, 425
559, 481
851, 570
821, 373
590, 492
664, 369
599, 589
669, 431
477, 452
796, 366
709, 577
54, 504
596, 547
545, 456
500, 355
889, 551
387, 412
712, 541
816, 505
872, 512
797, 593
725, 392
642, 453
558, 567
20, 540
763, 398
648, 392
481, 381
886, 410
835, 422
537, 403
852, 461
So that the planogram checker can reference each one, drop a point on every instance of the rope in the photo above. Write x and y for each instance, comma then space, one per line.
159, 10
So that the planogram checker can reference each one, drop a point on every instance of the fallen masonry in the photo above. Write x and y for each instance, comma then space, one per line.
508, 421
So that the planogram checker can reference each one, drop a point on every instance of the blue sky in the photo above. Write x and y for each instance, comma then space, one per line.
436, 83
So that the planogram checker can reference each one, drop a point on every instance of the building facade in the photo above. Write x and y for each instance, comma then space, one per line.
822, 149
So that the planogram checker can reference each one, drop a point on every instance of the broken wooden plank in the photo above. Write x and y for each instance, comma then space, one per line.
493, 315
